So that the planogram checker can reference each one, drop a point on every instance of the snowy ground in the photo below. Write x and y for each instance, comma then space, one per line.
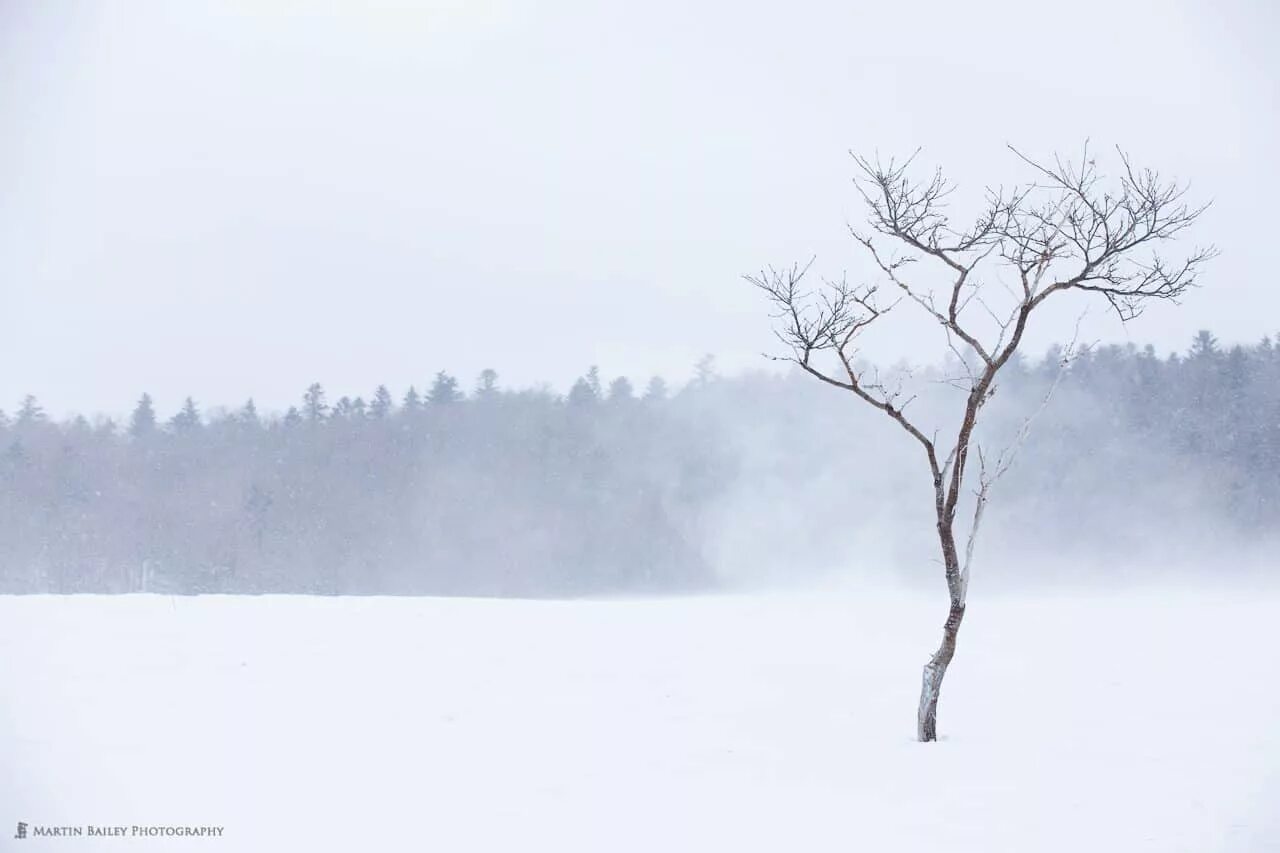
1123, 722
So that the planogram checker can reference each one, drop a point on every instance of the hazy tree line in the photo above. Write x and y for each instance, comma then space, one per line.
1191, 440
1138, 463
493, 491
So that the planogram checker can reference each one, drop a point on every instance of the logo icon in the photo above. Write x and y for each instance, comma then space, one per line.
22, 830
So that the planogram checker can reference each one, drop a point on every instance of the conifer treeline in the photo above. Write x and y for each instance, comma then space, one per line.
493, 493
524, 492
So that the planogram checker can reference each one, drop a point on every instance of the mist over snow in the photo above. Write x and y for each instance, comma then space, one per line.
395, 453
1137, 468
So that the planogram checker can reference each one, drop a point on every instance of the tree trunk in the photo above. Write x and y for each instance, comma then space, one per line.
934, 670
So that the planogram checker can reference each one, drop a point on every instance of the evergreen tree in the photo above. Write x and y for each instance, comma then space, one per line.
248, 415
487, 383
621, 390
1235, 373
30, 413
444, 390
412, 402
344, 409
314, 407
381, 405
704, 371
187, 419
583, 393
143, 421
80, 427
1204, 346
593, 381
656, 390
1055, 359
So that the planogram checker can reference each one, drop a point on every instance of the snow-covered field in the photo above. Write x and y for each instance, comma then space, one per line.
1137, 721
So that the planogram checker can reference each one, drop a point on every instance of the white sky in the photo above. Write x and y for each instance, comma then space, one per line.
237, 199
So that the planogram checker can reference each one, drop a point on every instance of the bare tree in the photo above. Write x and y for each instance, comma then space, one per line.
1069, 229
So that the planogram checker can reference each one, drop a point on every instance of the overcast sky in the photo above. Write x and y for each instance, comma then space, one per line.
237, 199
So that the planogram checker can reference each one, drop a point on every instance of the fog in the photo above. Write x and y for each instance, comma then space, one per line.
216, 203
1138, 469
408, 435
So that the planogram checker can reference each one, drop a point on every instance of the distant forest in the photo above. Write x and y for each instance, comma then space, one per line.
612, 489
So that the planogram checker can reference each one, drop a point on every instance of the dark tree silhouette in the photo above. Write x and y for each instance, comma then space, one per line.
188, 417
1068, 230
381, 405
444, 390
143, 421
314, 407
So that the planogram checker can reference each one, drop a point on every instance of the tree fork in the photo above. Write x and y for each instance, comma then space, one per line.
1066, 230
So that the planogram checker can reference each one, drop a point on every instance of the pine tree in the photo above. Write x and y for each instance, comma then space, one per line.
314, 407
444, 390
187, 419
621, 390
382, 405
656, 390
344, 409
593, 382
80, 426
583, 393
248, 415
412, 402
705, 370
1205, 345
143, 421
487, 383
30, 412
